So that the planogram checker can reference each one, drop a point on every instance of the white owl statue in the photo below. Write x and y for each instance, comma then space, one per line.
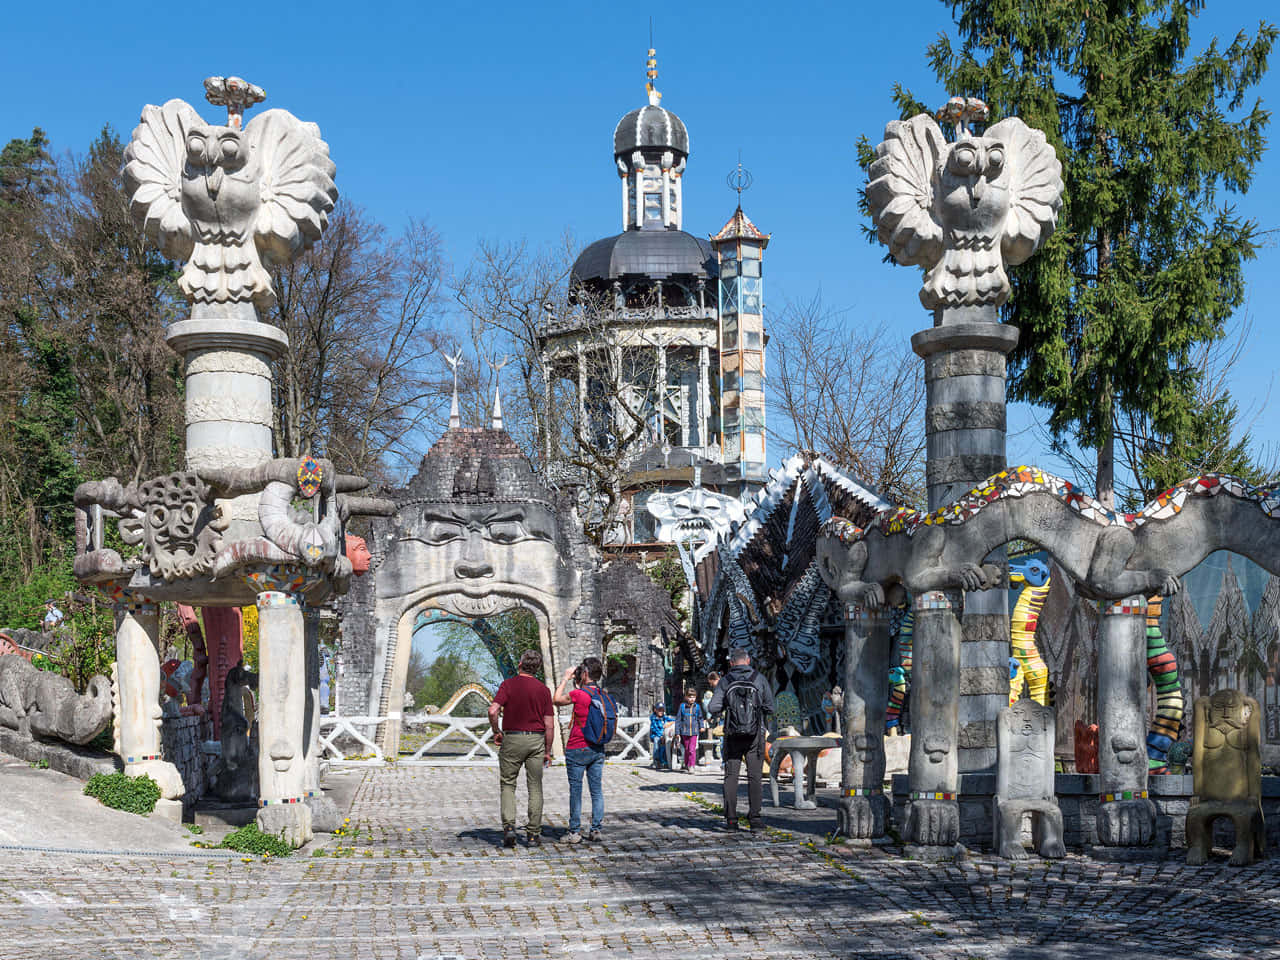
229, 201
963, 210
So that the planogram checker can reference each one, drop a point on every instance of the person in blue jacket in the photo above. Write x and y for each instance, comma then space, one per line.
657, 731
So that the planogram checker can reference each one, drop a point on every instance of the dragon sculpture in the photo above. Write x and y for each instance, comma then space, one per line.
1117, 555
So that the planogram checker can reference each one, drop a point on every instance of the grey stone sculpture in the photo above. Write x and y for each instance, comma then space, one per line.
40, 704
863, 810
235, 773
1108, 556
229, 201
1024, 782
963, 210
170, 519
1118, 557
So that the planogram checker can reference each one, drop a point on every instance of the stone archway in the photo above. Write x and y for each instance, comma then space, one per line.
476, 533
462, 607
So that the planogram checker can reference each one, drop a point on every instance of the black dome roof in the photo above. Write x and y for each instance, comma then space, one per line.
647, 253
650, 126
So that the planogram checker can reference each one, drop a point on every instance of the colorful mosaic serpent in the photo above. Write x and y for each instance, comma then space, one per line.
1021, 480
900, 675
1034, 575
1162, 667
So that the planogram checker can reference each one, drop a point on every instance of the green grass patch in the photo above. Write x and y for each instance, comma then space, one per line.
131, 794
249, 839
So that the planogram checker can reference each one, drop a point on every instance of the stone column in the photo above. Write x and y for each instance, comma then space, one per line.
863, 810
964, 359
325, 815
282, 704
1126, 817
136, 682
228, 355
933, 817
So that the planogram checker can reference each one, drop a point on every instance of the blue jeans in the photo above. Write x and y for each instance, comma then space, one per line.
590, 761
658, 747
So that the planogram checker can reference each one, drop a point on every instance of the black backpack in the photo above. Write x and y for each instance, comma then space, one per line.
742, 708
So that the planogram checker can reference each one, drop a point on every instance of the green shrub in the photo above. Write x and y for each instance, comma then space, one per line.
249, 839
131, 794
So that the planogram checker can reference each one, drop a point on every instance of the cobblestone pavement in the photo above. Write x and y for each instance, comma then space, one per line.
422, 874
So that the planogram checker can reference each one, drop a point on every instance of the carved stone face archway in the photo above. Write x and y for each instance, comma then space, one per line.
476, 534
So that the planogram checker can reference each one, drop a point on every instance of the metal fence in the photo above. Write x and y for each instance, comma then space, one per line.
453, 741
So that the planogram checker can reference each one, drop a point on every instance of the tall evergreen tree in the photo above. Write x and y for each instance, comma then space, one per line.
1147, 261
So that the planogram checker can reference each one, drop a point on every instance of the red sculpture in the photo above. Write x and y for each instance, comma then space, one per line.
224, 635
1086, 745
359, 555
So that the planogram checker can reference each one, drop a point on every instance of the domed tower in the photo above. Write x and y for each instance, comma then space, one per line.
638, 345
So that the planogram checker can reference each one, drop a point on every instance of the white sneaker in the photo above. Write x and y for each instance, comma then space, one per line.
573, 836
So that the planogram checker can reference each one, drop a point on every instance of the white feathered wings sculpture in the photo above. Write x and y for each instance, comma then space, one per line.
965, 209
229, 201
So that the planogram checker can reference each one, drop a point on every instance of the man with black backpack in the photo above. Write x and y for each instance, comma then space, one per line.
595, 718
744, 697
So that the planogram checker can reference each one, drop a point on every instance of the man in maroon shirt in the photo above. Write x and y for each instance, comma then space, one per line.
524, 740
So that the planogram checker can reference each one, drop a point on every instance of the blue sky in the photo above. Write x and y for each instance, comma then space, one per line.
494, 121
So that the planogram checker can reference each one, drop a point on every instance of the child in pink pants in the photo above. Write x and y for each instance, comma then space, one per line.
690, 722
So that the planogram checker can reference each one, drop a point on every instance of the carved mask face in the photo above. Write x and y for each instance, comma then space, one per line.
484, 542
694, 514
359, 555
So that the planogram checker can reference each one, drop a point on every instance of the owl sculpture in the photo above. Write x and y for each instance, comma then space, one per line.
965, 209
229, 201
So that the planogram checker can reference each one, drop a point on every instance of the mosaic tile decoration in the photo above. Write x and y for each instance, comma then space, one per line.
862, 792
1023, 480
1123, 795
310, 474
933, 600
933, 796
1129, 607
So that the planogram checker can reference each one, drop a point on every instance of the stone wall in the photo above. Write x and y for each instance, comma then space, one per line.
182, 740
1078, 799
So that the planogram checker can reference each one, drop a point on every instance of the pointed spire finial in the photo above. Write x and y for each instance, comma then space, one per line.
651, 70
455, 414
739, 179
496, 367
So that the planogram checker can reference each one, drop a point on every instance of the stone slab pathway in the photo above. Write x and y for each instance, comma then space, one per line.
421, 874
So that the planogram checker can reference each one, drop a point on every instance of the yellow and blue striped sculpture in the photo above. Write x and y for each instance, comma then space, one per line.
1034, 576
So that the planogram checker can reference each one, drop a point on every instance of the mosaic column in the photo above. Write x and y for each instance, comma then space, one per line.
282, 705
933, 816
1126, 816
136, 685
324, 812
965, 356
864, 808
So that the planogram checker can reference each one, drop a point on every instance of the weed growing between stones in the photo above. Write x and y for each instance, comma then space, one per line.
41, 764
131, 794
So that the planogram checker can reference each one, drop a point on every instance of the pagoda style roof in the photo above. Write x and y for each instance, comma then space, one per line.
740, 227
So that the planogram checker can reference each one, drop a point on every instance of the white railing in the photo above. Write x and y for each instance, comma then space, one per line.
630, 743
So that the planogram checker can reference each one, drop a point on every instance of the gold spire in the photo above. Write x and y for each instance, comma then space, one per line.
652, 73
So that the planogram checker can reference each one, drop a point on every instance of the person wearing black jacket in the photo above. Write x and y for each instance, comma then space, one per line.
739, 746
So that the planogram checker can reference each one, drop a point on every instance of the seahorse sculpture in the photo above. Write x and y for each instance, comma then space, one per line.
900, 674
1162, 667
1035, 580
